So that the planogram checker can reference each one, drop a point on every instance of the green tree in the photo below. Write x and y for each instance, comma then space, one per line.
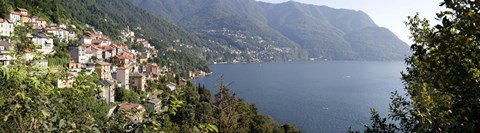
442, 79
20, 41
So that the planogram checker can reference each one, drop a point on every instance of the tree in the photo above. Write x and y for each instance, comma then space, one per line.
226, 109
20, 41
443, 76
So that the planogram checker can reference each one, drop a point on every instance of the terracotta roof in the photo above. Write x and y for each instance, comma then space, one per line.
153, 64
14, 12
131, 106
103, 63
123, 56
107, 48
97, 48
22, 9
27, 51
120, 46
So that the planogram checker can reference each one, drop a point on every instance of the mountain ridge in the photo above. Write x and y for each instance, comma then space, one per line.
310, 31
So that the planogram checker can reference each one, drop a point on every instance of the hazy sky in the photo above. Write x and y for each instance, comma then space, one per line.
386, 13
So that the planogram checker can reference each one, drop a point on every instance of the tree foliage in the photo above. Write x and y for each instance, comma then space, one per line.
442, 79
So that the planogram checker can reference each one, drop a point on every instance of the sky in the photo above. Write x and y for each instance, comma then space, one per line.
385, 13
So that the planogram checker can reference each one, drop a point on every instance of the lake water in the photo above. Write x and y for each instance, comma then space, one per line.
315, 96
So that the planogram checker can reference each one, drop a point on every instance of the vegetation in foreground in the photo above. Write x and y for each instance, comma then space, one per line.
442, 80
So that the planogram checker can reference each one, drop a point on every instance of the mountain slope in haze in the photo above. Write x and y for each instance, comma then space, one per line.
248, 39
322, 32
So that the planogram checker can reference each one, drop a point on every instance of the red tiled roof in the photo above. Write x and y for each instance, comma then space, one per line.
22, 9
103, 63
5, 20
14, 12
123, 56
131, 106
97, 48
107, 48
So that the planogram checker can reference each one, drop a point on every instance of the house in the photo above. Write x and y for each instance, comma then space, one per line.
191, 74
153, 68
88, 51
123, 76
60, 33
101, 42
97, 52
171, 86
154, 104
89, 67
143, 59
137, 82
45, 42
15, 17
5, 56
22, 11
66, 82
182, 82
120, 48
28, 55
40, 23
107, 51
106, 90
103, 70
129, 107
122, 59
77, 53
6, 27
74, 67
86, 39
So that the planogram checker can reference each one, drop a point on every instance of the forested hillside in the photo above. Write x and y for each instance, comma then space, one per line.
298, 30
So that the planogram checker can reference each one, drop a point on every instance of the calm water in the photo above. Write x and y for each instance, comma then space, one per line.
314, 96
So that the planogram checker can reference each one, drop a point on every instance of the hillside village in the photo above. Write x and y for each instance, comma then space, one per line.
114, 62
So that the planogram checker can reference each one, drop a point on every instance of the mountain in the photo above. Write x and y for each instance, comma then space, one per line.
299, 30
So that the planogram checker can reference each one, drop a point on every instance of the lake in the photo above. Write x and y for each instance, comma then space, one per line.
316, 97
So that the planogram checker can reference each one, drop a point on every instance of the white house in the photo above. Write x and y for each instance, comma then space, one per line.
58, 32
46, 43
171, 86
6, 27
15, 16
